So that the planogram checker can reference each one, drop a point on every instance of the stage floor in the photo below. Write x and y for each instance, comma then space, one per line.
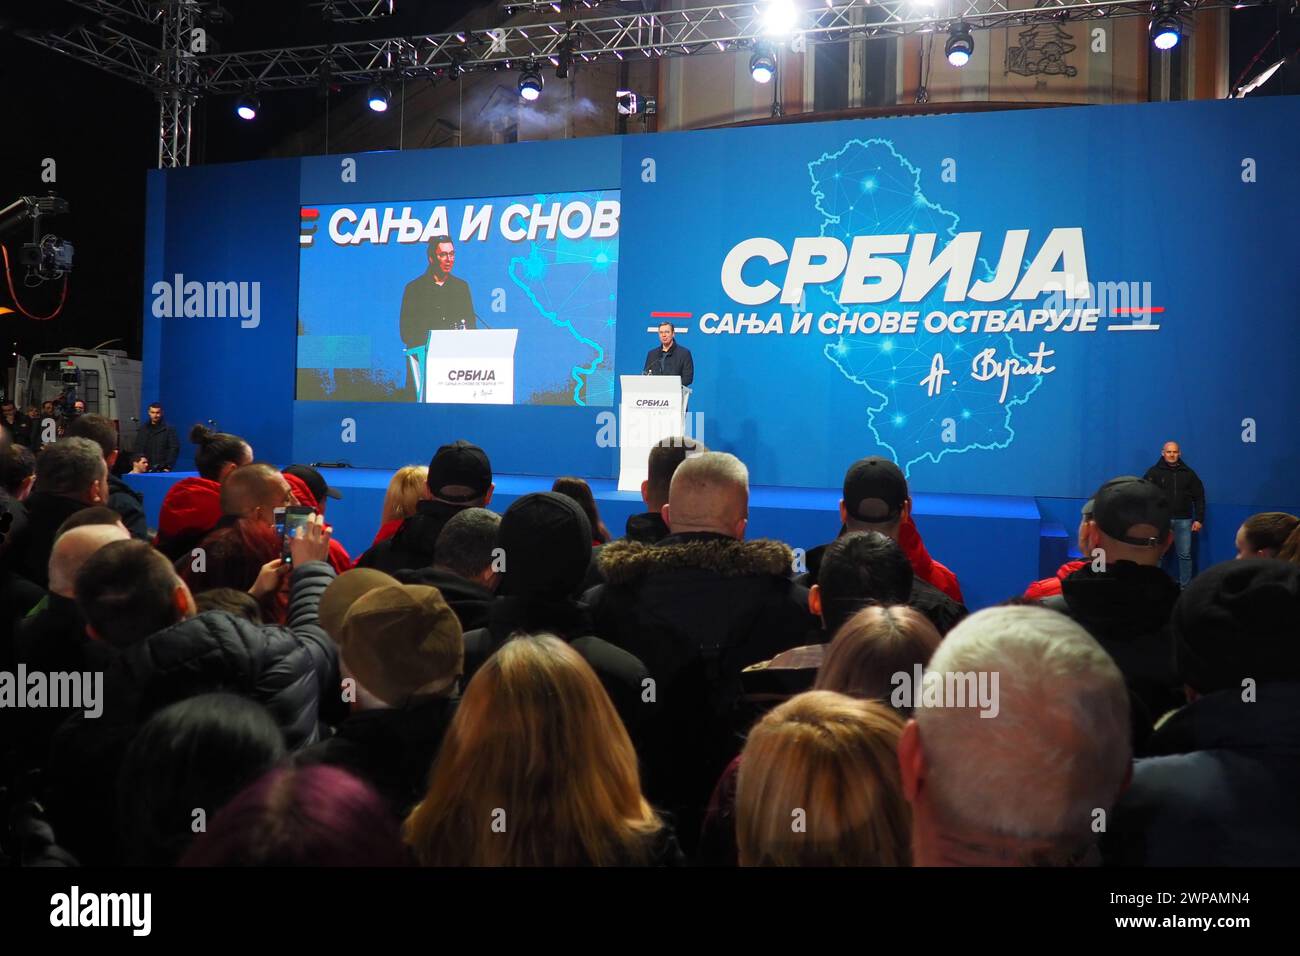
996, 545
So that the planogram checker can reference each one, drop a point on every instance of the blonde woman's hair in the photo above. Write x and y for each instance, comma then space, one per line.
873, 646
407, 486
536, 770
819, 786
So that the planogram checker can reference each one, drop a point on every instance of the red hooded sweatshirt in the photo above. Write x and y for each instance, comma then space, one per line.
339, 558
924, 566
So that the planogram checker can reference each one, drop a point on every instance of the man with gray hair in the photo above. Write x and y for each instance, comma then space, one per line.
70, 475
697, 608
1029, 777
463, 568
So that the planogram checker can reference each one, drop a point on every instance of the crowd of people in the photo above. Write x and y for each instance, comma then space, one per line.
524, 688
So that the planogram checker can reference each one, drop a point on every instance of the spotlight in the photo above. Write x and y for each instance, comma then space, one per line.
627, 103
1166, 31
762, 66
960, 45
780, 18
246, 106
530, 84
377, 98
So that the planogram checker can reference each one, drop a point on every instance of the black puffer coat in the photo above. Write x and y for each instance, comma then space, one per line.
286, 669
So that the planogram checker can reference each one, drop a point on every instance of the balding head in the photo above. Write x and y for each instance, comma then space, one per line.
709, 492
1023, 784
73, 548
255, 491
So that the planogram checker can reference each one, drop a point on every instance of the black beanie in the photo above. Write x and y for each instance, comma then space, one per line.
546, 540
1239, 619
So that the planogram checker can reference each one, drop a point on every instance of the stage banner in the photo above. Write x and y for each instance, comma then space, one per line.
1020, 303
377, 278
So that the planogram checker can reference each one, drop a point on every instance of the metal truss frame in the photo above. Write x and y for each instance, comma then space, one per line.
587, 33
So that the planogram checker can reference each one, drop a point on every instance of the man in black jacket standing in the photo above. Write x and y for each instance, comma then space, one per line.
1186, 502
156, 443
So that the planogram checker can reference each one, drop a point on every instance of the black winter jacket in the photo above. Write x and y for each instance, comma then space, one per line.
159, 444
696, 609
411, 546
1181, 486
287, 669
392, 749
620, 673
648, 528
1127, 608
31, 549
128, 503
1221, 788
468, 600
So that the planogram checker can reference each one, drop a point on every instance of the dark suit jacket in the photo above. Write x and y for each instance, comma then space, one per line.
676, 361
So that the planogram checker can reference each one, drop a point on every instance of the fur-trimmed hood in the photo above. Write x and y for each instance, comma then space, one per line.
626, 561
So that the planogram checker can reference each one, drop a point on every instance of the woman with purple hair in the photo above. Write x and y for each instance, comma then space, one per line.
311, 816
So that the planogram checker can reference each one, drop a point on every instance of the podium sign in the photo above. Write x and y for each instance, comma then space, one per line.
651, 410
470, 367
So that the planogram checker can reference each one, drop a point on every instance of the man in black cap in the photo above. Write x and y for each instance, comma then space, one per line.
876, 498
1122, 597
545, 539
460, 477
315, 483
1219, 788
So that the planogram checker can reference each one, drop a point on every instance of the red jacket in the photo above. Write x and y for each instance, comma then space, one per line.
191, 506
387, 530
924, 566
339, 558
1050, 587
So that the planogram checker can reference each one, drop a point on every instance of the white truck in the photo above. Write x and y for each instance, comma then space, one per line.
105, 379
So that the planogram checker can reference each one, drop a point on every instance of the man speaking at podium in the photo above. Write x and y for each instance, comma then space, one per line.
670, 358
435, 300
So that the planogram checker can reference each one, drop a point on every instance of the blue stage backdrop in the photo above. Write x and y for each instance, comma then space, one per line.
1019, 303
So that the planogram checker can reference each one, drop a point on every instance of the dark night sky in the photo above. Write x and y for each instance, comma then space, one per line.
101, 131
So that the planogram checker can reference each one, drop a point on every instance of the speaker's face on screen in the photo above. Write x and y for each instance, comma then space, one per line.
1171, 453
665, 335
445, 257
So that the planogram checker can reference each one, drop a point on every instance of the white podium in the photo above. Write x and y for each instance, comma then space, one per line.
650, 411
470, 367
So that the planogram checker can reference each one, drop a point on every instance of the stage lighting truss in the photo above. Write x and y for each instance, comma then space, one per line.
125, 41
